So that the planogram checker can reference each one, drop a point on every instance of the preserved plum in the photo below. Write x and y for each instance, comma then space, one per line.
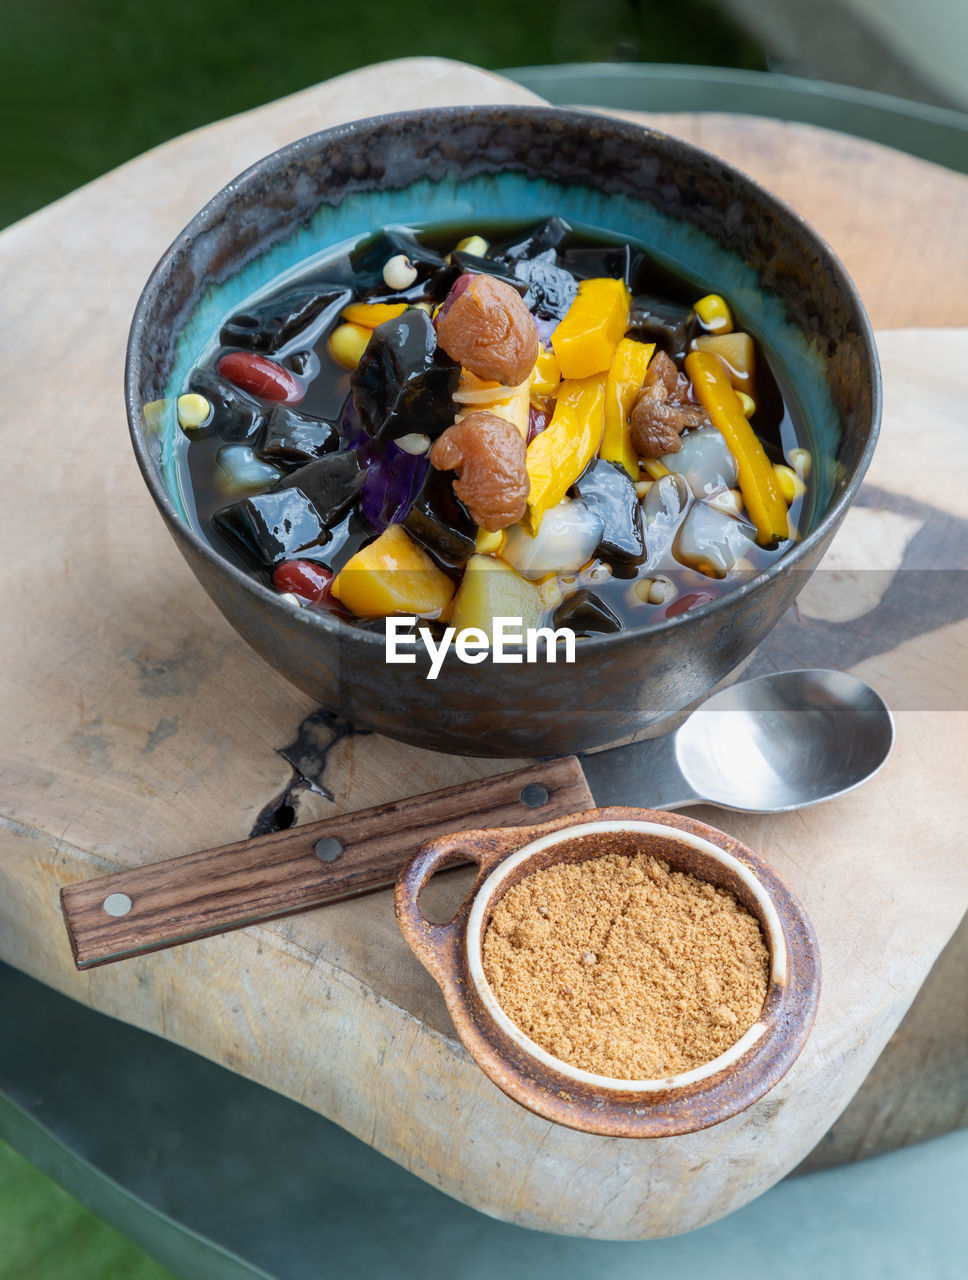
489, 456
488, 328
660, 414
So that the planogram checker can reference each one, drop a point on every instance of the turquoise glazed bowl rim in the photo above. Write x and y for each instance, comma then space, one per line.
282, 167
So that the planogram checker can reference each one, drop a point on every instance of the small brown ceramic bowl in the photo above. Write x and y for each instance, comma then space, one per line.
692, 1100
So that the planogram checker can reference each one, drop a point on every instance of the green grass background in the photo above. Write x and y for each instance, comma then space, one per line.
46, 1235
87, 84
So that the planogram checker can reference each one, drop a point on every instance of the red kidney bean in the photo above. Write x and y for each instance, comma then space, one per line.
538, 419
260, 377
691, 600
303, 578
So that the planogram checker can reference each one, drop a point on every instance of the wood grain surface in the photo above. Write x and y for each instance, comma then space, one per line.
199, 895
135, 725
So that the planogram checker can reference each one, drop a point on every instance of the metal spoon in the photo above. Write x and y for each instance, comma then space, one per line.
768, 745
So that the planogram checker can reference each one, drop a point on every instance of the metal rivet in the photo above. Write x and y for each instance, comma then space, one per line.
534, 795
329, 849
117, 904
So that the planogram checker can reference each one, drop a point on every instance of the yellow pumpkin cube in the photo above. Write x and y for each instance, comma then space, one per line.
491, 589
393, 575
595, 323
737, 353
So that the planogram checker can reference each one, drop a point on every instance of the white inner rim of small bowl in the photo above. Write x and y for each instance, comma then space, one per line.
475, 921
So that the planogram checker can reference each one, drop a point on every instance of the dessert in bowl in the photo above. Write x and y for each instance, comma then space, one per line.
669, 570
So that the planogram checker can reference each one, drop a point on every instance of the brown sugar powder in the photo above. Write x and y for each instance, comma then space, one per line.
624, 968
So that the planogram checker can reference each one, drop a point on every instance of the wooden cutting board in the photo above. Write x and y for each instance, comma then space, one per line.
135, 724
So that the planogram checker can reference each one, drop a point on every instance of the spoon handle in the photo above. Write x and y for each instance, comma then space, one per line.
201, 894
648, 770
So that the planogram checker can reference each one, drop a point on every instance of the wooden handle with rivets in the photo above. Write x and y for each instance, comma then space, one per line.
200, 894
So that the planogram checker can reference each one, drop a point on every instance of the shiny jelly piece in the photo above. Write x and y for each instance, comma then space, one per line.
670, 325
269, 527
439, 521
236, 417
369, 258
240, 471
616, 261
275, 321
549, 235
606, 489
550, 290
587, 615
259, 376
404, 383
331, 484
292, 437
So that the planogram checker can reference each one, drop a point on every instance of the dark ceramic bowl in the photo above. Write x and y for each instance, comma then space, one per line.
695, 1099
689, 209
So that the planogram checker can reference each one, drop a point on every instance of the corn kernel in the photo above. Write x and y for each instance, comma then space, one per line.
801, 460
791, 485
642, 487
714, 314
747, 404
653, 468
193, 411
477, 246
347, 343
490, 544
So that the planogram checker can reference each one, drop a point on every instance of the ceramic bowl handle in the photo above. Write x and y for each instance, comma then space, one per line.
437, 946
